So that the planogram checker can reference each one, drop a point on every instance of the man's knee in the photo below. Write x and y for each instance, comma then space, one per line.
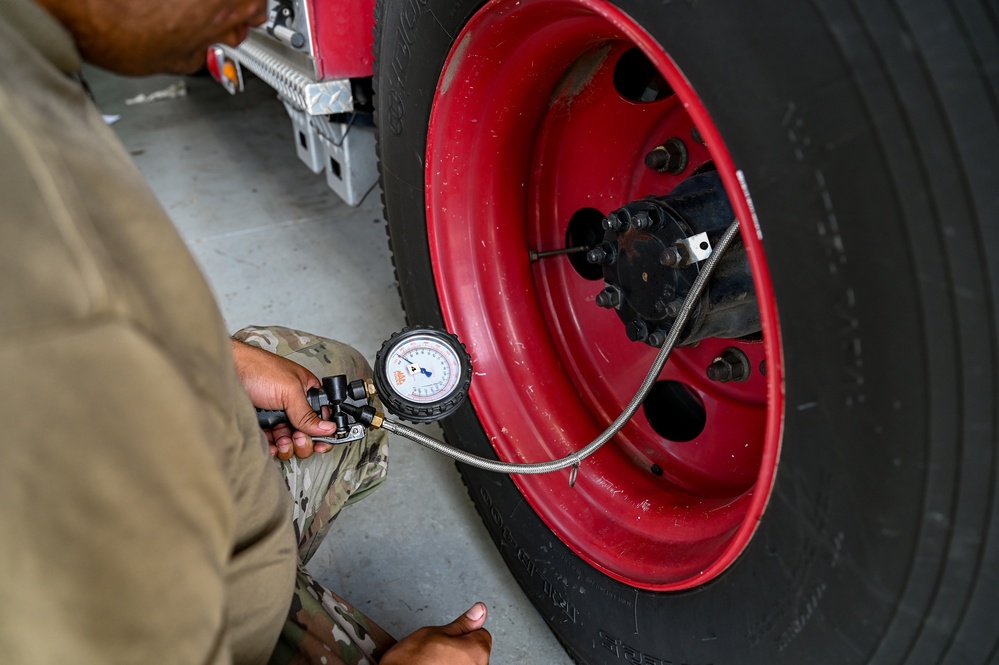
320, 355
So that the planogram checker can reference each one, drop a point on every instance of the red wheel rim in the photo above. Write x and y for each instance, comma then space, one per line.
528, 128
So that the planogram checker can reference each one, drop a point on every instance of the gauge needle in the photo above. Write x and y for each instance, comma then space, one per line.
423, 370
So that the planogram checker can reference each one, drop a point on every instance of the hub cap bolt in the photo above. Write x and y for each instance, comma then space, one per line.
601, 254
637, 330
609, 298
656, 339
670, 157
671, 257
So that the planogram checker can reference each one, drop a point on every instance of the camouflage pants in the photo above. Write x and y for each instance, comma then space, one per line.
322, 628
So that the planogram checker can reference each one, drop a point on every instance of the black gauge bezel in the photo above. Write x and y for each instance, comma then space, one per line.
422, 412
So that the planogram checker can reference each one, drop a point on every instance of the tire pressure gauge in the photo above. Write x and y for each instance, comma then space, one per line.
422, 374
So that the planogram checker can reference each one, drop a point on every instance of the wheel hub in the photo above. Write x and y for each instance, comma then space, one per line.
650, 255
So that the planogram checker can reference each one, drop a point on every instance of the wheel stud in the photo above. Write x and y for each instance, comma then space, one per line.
670, 157
609, 298
673, 308
731, 365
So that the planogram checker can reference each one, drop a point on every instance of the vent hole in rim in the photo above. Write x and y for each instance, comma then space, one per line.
585, 230
675, 411
637, 80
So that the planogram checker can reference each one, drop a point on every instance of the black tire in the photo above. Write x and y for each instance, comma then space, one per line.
867, 133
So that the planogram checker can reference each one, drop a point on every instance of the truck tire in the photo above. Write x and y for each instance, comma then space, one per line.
840, 506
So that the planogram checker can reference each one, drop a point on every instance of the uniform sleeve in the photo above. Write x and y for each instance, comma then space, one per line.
141, 520
116, 521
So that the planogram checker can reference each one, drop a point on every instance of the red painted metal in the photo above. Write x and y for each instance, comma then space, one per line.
527, 128
342, 38
213, 63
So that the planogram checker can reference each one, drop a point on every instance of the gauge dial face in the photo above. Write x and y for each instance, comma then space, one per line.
423, 369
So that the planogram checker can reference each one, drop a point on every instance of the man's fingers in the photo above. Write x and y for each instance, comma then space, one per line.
485, 640
286, 440
468, 622
288, 447
304, 419
280, 441
464, 640
284, 451
477, 615
303, 445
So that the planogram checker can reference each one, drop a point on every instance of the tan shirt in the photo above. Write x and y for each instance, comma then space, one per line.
141, 519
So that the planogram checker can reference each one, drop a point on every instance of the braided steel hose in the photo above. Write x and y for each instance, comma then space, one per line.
577, 457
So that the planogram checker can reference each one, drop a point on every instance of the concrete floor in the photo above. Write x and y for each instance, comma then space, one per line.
278, 247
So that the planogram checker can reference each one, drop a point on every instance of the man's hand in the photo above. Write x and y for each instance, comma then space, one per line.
462, 642
277, 383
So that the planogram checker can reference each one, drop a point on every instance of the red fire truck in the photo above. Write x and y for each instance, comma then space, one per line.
812, 476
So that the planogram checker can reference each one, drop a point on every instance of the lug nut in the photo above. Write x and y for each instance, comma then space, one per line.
596, 255
673, 308
647, 219
658, 159
617, 221
731, 365
670, 157
609, 298
604, 253
722, 371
